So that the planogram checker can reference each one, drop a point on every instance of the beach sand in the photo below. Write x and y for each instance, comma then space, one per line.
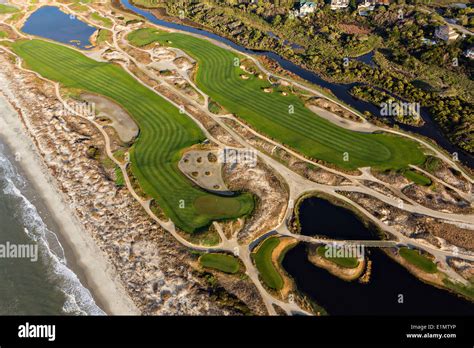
84, 257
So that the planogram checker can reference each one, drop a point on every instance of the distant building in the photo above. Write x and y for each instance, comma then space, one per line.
380, 2
469, 53
369, 5
305, 8
338, 4
375, 2
446, 33
364, 8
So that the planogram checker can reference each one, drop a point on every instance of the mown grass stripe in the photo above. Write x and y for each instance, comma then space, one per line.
164, 131
268, 113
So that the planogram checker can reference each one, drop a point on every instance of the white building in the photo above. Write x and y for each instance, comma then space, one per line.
469, 53
306, 7
364, 8
446, 33
338, 4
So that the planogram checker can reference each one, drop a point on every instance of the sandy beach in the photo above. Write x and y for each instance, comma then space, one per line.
84, 257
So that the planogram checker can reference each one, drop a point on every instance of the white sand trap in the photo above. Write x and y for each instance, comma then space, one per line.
365, 127
198, 166
123, 124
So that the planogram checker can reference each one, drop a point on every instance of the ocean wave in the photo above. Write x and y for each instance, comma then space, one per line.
7, 170
79, 300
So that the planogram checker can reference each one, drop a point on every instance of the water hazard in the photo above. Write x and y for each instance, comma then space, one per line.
388, 279
51, 23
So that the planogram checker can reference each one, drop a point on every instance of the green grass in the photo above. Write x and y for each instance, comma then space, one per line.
221, 262
119, 179
120, 155
7, 9
263, 260
147, 3
432, 164
465, 290
221, 207
103, 36
15, 17
416, 177
79, 7
143, 37
164, 132
106, 22
347, 262
214, 108
415, 258
304, 131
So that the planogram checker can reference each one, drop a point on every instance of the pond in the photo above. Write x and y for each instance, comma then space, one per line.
380, 296
285, 42
51, 23
367, 58
319, 217
388, 279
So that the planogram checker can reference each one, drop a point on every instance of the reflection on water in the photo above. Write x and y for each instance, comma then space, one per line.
388, 279
367, 58
380, 296
51, 23
318, 216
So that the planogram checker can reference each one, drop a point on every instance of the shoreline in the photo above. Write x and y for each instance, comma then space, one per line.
83, 255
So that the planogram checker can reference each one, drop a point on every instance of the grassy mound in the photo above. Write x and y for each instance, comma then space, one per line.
7, 9
143, 37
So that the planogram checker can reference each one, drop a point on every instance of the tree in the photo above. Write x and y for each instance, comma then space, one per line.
277, 20
352, 4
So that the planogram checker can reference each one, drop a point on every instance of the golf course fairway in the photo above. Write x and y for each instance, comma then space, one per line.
219, 75
164, 132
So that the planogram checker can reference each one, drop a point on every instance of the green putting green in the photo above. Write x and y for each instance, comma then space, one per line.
164, 133
221, 262
263, 260
143, 37
219, 76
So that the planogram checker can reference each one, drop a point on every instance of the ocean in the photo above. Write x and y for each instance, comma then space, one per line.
33, 283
